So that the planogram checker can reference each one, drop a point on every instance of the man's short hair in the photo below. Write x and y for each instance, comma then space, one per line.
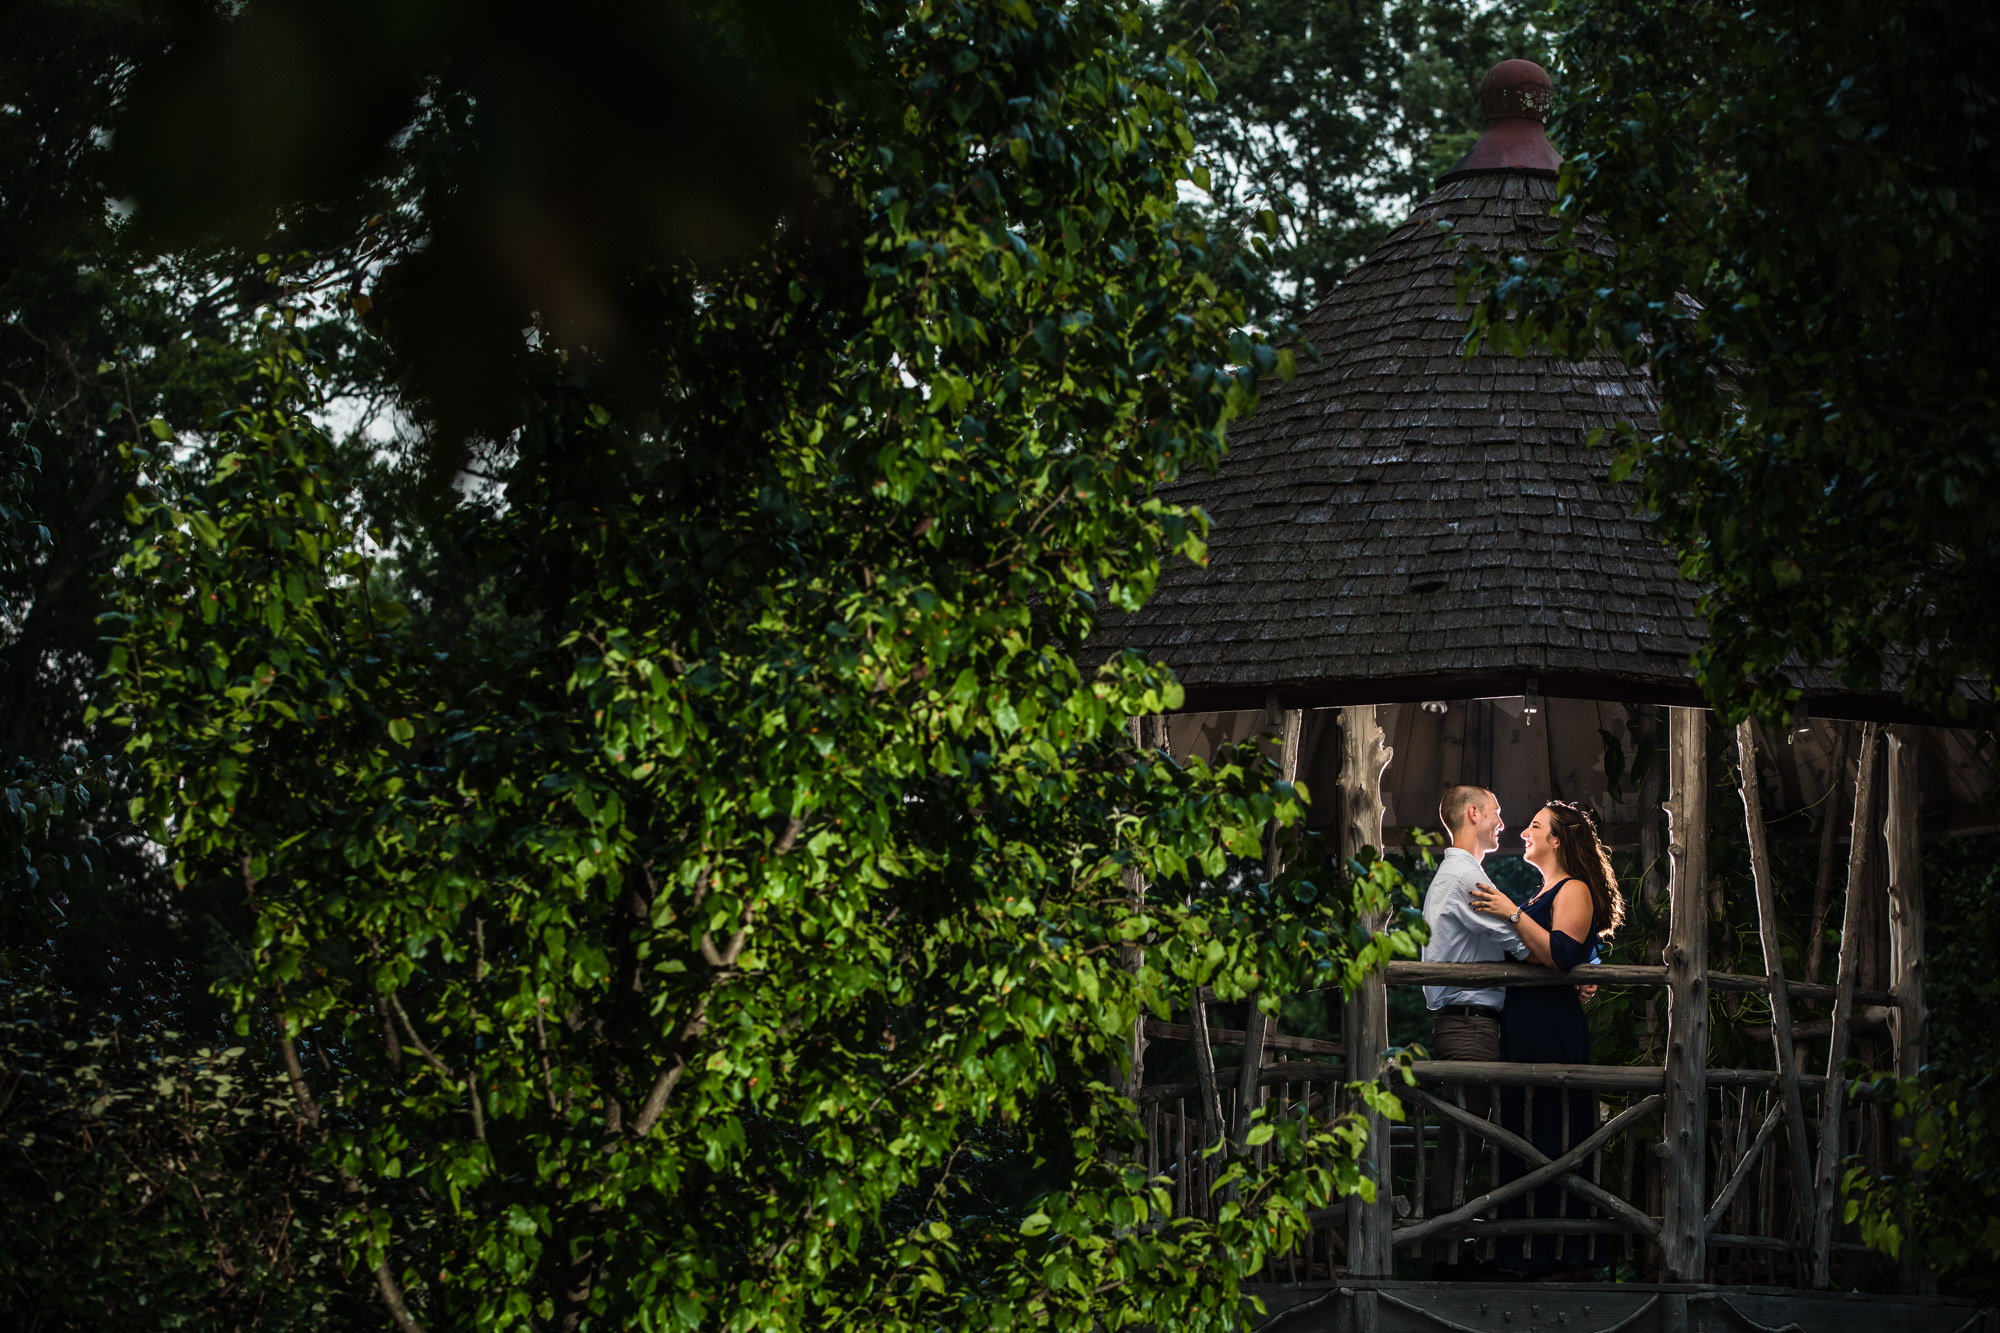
1459, 798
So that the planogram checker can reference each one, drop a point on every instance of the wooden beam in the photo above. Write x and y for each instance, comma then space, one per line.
1292, 1071
1909, 1021
1477, 975
1684, 1200
1829, 825
1365, 1017
1832, 1103
1799, 990
1159, 1031
1560, 1169
1727, 1194
1291, 744
1249, 1092
1774, 969
1866, 1018
1146, 731
1596, 1078
1365, 753
1652, 853
1256, 1023
1533, 1226
1599, 1078
1472, 975
1204, 1070
1909, 1024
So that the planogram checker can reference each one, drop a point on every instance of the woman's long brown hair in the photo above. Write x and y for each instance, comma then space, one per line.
1583, 857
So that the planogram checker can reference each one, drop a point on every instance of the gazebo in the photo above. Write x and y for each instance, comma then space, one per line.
1421, 572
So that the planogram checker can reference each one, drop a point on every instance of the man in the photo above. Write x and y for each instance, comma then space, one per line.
1468, 1018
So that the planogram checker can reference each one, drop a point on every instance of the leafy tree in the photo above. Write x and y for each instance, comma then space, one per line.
1940, 1205
1326, 123
1802, 203
124, 1129
72, 318
99, 332
670, 943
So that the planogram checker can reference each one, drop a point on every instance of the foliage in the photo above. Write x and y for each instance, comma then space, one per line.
124, 1162
74, 319
1802, 209
1962, 912
98, 334
1940, 1208
664, 949
1326, 123
125, 1152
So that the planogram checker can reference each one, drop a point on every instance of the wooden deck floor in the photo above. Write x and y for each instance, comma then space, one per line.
1579, 1307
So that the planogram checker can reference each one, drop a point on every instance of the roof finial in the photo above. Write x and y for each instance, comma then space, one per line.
1516, 90
1515, 98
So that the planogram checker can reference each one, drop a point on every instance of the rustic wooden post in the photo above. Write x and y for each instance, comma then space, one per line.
1256, 1024
1204, 1068
1291, 741
1683, 1243
1910, 1020
1249, 1090
1823, 881
1364, 754
1652, 850
1833, 1101
1774, 963
1148, 733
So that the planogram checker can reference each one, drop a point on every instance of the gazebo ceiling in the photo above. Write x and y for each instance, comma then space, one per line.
1585, 751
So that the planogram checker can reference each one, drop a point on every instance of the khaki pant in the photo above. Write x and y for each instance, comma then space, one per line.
1461, 1037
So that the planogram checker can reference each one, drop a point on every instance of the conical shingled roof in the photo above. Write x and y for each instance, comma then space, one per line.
1402, 522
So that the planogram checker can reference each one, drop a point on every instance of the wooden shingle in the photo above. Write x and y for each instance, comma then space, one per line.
1401, 521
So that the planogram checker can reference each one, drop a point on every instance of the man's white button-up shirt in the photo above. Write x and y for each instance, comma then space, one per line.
1461, 935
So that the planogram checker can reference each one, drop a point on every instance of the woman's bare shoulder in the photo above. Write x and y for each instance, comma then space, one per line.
1573, 901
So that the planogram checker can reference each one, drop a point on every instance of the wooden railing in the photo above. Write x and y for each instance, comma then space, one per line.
1621, 1169
1719, 1171
1602, 974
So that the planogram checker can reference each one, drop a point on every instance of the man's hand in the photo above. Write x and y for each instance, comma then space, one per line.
1586, 993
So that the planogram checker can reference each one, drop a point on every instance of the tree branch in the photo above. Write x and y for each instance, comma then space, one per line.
542, 1046
392, 1297
444, 1070
388, 1031
794, 825
385, 1280
307, 1106
724, 963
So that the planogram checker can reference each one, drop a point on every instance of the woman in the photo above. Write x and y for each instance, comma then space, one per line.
1575, 913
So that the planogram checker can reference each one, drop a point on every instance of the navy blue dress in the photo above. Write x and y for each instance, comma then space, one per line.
1546, 1025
